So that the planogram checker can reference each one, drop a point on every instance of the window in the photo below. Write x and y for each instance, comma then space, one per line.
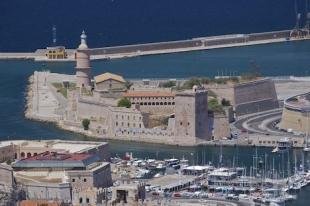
128, 124
181, 123
81, 200
73, 180
140, 125
87, 200
84, 180
116, 123
187, 123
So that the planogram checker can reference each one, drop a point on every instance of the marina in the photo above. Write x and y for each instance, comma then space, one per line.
258, 183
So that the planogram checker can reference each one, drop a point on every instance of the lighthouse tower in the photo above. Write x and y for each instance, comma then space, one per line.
83, 64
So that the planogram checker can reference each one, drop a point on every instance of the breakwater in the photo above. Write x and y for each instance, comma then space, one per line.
195, 44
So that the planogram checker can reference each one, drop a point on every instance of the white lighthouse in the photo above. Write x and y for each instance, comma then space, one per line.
83, 64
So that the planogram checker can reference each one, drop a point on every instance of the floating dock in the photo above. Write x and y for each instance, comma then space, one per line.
195, 44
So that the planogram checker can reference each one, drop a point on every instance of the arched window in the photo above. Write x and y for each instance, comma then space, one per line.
28, 154
22, 155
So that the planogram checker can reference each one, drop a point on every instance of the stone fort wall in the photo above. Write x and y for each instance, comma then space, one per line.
295, 120
255, 96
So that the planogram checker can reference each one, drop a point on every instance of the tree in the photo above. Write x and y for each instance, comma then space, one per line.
85, 124
124, 102
225, 102
214, 105
167, 84
191, 82
128, 84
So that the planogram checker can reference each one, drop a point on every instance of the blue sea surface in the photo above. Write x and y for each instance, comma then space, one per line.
27, 25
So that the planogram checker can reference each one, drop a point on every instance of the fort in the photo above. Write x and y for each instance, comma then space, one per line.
183, 112
295, 115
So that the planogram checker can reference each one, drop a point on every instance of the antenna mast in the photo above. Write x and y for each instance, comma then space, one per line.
296, 29
307, 25
54, 35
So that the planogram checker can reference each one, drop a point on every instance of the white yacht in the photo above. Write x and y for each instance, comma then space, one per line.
284, 145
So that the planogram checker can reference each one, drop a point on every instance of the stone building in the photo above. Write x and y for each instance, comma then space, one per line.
25, 149
128, 194
7, 151
154, 102
95, 175
109, 120
57, 52
6, 177
50, 175
109, 82
83, 68
89, 196
191, 115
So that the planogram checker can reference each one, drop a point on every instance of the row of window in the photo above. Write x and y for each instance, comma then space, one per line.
144, 98
144, 132
84, 180
273, 142
128, 117
128, 124
154, 103
23, 154
86, 201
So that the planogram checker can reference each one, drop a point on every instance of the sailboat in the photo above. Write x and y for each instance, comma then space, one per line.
306, 147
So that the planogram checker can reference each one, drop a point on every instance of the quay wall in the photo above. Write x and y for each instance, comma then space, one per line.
201, 43
196, 43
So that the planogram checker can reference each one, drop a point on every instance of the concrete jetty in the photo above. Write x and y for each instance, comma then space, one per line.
194, 44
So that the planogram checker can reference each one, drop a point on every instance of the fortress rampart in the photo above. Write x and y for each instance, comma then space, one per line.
295, 115
255, 96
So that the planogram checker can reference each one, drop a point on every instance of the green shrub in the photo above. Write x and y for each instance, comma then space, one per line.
85, 123
124, 102
225, 102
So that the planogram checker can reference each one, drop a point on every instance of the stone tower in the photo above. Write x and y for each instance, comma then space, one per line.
191, 115
83, 64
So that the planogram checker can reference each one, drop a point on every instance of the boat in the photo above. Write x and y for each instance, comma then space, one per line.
283, 145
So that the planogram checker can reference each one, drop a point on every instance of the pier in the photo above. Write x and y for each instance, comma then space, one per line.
194, 44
